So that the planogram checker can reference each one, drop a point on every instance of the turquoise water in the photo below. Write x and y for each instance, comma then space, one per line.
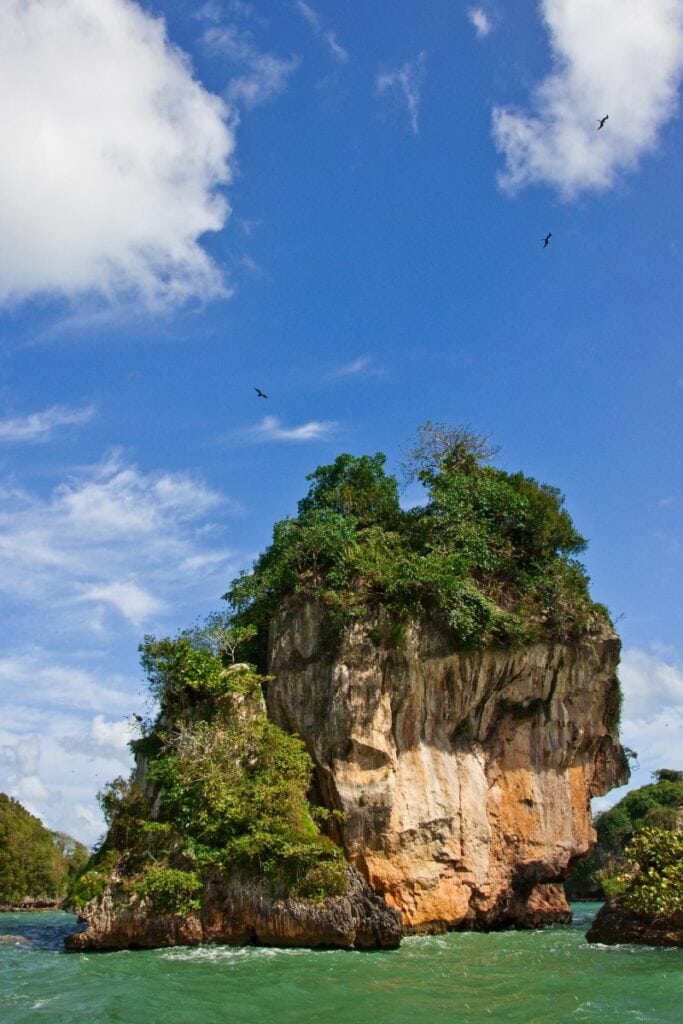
542, 977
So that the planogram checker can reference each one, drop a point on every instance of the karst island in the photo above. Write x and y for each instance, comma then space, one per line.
396, 724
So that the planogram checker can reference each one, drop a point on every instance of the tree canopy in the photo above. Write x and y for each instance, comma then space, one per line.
35, 863
490, 554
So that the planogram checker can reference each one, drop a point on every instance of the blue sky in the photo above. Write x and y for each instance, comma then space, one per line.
344, 205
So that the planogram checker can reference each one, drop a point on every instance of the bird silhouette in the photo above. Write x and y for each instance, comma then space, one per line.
259, 393
546, 240
601, 122
138, 718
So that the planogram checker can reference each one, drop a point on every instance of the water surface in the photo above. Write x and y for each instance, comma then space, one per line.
541, 977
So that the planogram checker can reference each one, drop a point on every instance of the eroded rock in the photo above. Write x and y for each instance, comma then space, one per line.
465, 777
238, 910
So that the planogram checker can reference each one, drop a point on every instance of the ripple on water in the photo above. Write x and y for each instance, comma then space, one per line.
549, 977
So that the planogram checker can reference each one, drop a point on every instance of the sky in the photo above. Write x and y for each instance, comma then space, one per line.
343, 205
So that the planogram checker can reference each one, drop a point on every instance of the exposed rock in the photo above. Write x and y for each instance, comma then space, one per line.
240, 911
465, 777
614, 924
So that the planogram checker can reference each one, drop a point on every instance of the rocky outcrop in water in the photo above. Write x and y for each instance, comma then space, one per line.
465, 777
615, 924
239, 910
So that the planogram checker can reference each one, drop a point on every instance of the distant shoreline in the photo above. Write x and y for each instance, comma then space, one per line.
32, 906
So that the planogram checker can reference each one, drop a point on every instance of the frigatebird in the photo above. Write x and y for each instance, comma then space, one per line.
601, 122
259, 393
546, 240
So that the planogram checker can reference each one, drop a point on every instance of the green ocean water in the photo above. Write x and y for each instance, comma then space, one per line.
542, 977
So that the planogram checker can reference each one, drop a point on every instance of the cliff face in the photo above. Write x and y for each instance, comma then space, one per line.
465, 776
238, 910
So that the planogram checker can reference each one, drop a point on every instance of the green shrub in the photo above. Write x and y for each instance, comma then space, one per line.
88, 886
169, 890
655, 859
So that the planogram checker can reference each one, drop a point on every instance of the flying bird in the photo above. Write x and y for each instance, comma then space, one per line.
546, 240
601, 122
259, 393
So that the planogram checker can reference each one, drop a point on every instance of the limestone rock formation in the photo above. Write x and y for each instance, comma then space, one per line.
465, 776
615, 924
240, 911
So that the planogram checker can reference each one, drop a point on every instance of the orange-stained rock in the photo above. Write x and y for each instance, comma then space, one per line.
465, 777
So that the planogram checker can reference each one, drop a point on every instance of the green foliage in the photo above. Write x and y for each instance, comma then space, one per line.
90, 885
34, 862
658, 805
655, 861
491, 554
169, 890
224, 786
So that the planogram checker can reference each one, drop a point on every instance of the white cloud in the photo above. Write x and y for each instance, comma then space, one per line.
272, 429
623, 58
480, 20
110, 537
34, 675
131, 600
652, 715
64, 733
38, 426
315, 21
263, 74
353, 368
116, 156
407, 81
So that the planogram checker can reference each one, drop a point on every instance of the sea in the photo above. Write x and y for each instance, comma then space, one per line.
549, 976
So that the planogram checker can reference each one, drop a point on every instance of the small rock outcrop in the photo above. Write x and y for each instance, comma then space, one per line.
238, 910
616, 924
464, 777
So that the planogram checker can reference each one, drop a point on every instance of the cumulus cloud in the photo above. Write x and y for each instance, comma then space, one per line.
262, 75
480, 20
328, 37
618, 57
272, 429
38, 426
406, 82
652, 714
64, 733
114, 156
110, 537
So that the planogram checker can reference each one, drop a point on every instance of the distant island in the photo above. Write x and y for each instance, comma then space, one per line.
37, 865
396, 726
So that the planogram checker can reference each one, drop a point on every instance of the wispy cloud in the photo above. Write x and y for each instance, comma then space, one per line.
407, 82
360, 365
112, 197
480, 20
330, 39
272, 429
38, 426
623, 58
262, 75
110, 539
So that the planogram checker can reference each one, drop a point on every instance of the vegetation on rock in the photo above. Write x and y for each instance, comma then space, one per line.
658, 805
491, 554
35, 863
219, 787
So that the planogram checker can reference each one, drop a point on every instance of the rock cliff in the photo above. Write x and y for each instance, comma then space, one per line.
465, 777
239, 910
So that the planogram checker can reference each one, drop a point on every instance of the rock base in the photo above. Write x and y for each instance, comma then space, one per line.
616, 925
239, 911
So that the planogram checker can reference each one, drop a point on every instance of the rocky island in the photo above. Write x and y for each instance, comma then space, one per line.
424, 703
